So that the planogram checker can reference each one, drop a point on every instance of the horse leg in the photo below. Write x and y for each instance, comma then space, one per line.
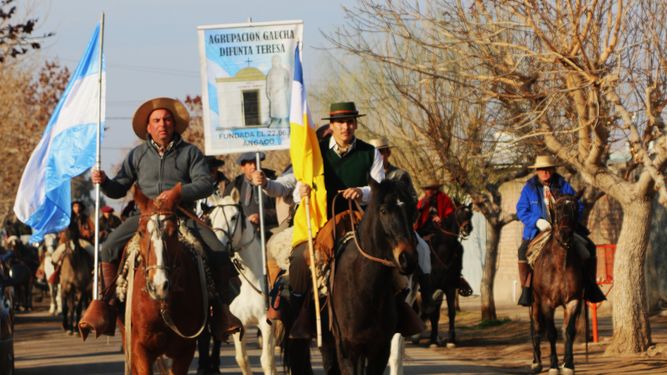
59, 299
396, 355
63, 302
377, 362
181, 364
142, 362
71, 307
268, 347
536, 336
241, 355
79, 308
28, 292
572, 312
328, 351
552, 334
297, 355
434, 317
52, 297
451, 313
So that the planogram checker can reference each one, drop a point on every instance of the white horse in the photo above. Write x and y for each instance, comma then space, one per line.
50, 242
231, 226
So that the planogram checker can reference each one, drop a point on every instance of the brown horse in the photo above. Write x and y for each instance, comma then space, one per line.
557, 281
363, 303
75, 278
447, 262
167, 312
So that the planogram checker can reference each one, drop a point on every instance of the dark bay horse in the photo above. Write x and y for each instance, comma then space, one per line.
23, 261
363, 309
447, 262
75, 278
557, 281
167, 310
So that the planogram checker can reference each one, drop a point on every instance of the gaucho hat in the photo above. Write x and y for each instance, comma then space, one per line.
431, 183
343, 110
380, 143
544, 161
177, 109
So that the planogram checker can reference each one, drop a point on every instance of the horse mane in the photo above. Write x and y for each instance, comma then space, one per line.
168, 204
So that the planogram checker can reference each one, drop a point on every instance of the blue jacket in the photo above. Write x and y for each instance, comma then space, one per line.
530, 206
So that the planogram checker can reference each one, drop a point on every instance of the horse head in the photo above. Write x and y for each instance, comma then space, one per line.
158, 230
565, 218
228, 221
386, 222
463, 216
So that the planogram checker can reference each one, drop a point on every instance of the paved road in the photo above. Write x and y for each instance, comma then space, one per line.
41, 347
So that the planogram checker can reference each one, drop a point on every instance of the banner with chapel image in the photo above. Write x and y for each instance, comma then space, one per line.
246, 72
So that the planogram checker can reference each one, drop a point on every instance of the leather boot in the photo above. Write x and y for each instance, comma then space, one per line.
592, 291
464, 288
300, 308
430, 299
409, 323
526, 298
100, 315
223, 322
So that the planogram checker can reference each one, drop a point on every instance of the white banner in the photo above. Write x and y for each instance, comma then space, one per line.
246, 72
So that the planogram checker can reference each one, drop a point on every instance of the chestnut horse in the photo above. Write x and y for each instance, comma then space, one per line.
446, 260
168, 298
557, 281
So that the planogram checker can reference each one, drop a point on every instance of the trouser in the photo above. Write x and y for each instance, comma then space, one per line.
423, 255
113, 246
298, 270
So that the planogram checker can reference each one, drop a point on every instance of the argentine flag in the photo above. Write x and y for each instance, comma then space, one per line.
67, 148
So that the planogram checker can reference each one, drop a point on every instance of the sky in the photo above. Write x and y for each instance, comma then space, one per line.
151, 49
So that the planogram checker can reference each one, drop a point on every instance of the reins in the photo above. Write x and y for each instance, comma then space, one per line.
372, 258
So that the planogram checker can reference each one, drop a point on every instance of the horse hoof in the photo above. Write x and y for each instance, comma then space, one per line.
553, 371
415, 339
433, 345
451, 345
70, 333
536, 368
567, 371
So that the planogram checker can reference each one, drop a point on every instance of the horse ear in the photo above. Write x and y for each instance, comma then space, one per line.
236, 196
373, 184
141, 200
470, 206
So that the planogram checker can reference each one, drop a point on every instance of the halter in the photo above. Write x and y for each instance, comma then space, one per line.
170, 215
459, 225
238, 265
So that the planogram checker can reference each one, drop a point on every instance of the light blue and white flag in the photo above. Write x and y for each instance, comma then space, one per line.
67, 148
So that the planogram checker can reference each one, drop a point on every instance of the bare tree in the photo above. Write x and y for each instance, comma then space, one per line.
442, 123
16, 36
586, 79
26, 104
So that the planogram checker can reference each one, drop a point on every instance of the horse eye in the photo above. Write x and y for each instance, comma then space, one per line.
383, 211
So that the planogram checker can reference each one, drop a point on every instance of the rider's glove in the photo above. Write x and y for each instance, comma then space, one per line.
543, 225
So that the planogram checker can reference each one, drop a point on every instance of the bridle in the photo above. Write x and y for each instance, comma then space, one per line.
230, 233
563, 215
160, 217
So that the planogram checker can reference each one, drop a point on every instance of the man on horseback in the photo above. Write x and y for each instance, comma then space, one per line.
157, 165
433, 209
429, 296
348, 163
535, 210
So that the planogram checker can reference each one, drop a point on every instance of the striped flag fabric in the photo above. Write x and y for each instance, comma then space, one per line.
306, 158
67, 148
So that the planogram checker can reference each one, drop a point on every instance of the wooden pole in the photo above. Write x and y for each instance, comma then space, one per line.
313, 275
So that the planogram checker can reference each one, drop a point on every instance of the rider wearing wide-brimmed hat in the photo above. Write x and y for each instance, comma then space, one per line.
161, 162
534, 210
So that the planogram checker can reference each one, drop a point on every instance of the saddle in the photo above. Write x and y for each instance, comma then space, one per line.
326, 242
536, 246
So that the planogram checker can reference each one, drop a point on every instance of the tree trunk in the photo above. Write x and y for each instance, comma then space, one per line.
632, 332
489, 271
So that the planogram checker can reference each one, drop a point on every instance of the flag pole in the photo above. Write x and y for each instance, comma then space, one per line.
98, 163
313, 275
265, 283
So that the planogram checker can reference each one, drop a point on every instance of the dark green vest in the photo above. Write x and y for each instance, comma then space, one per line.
352, 170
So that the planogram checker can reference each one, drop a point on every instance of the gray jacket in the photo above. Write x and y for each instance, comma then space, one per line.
181, 162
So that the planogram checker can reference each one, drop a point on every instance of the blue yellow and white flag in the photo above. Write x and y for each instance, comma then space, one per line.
306, 158
67, 148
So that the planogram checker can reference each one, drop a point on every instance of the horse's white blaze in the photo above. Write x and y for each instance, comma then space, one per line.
160, 275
